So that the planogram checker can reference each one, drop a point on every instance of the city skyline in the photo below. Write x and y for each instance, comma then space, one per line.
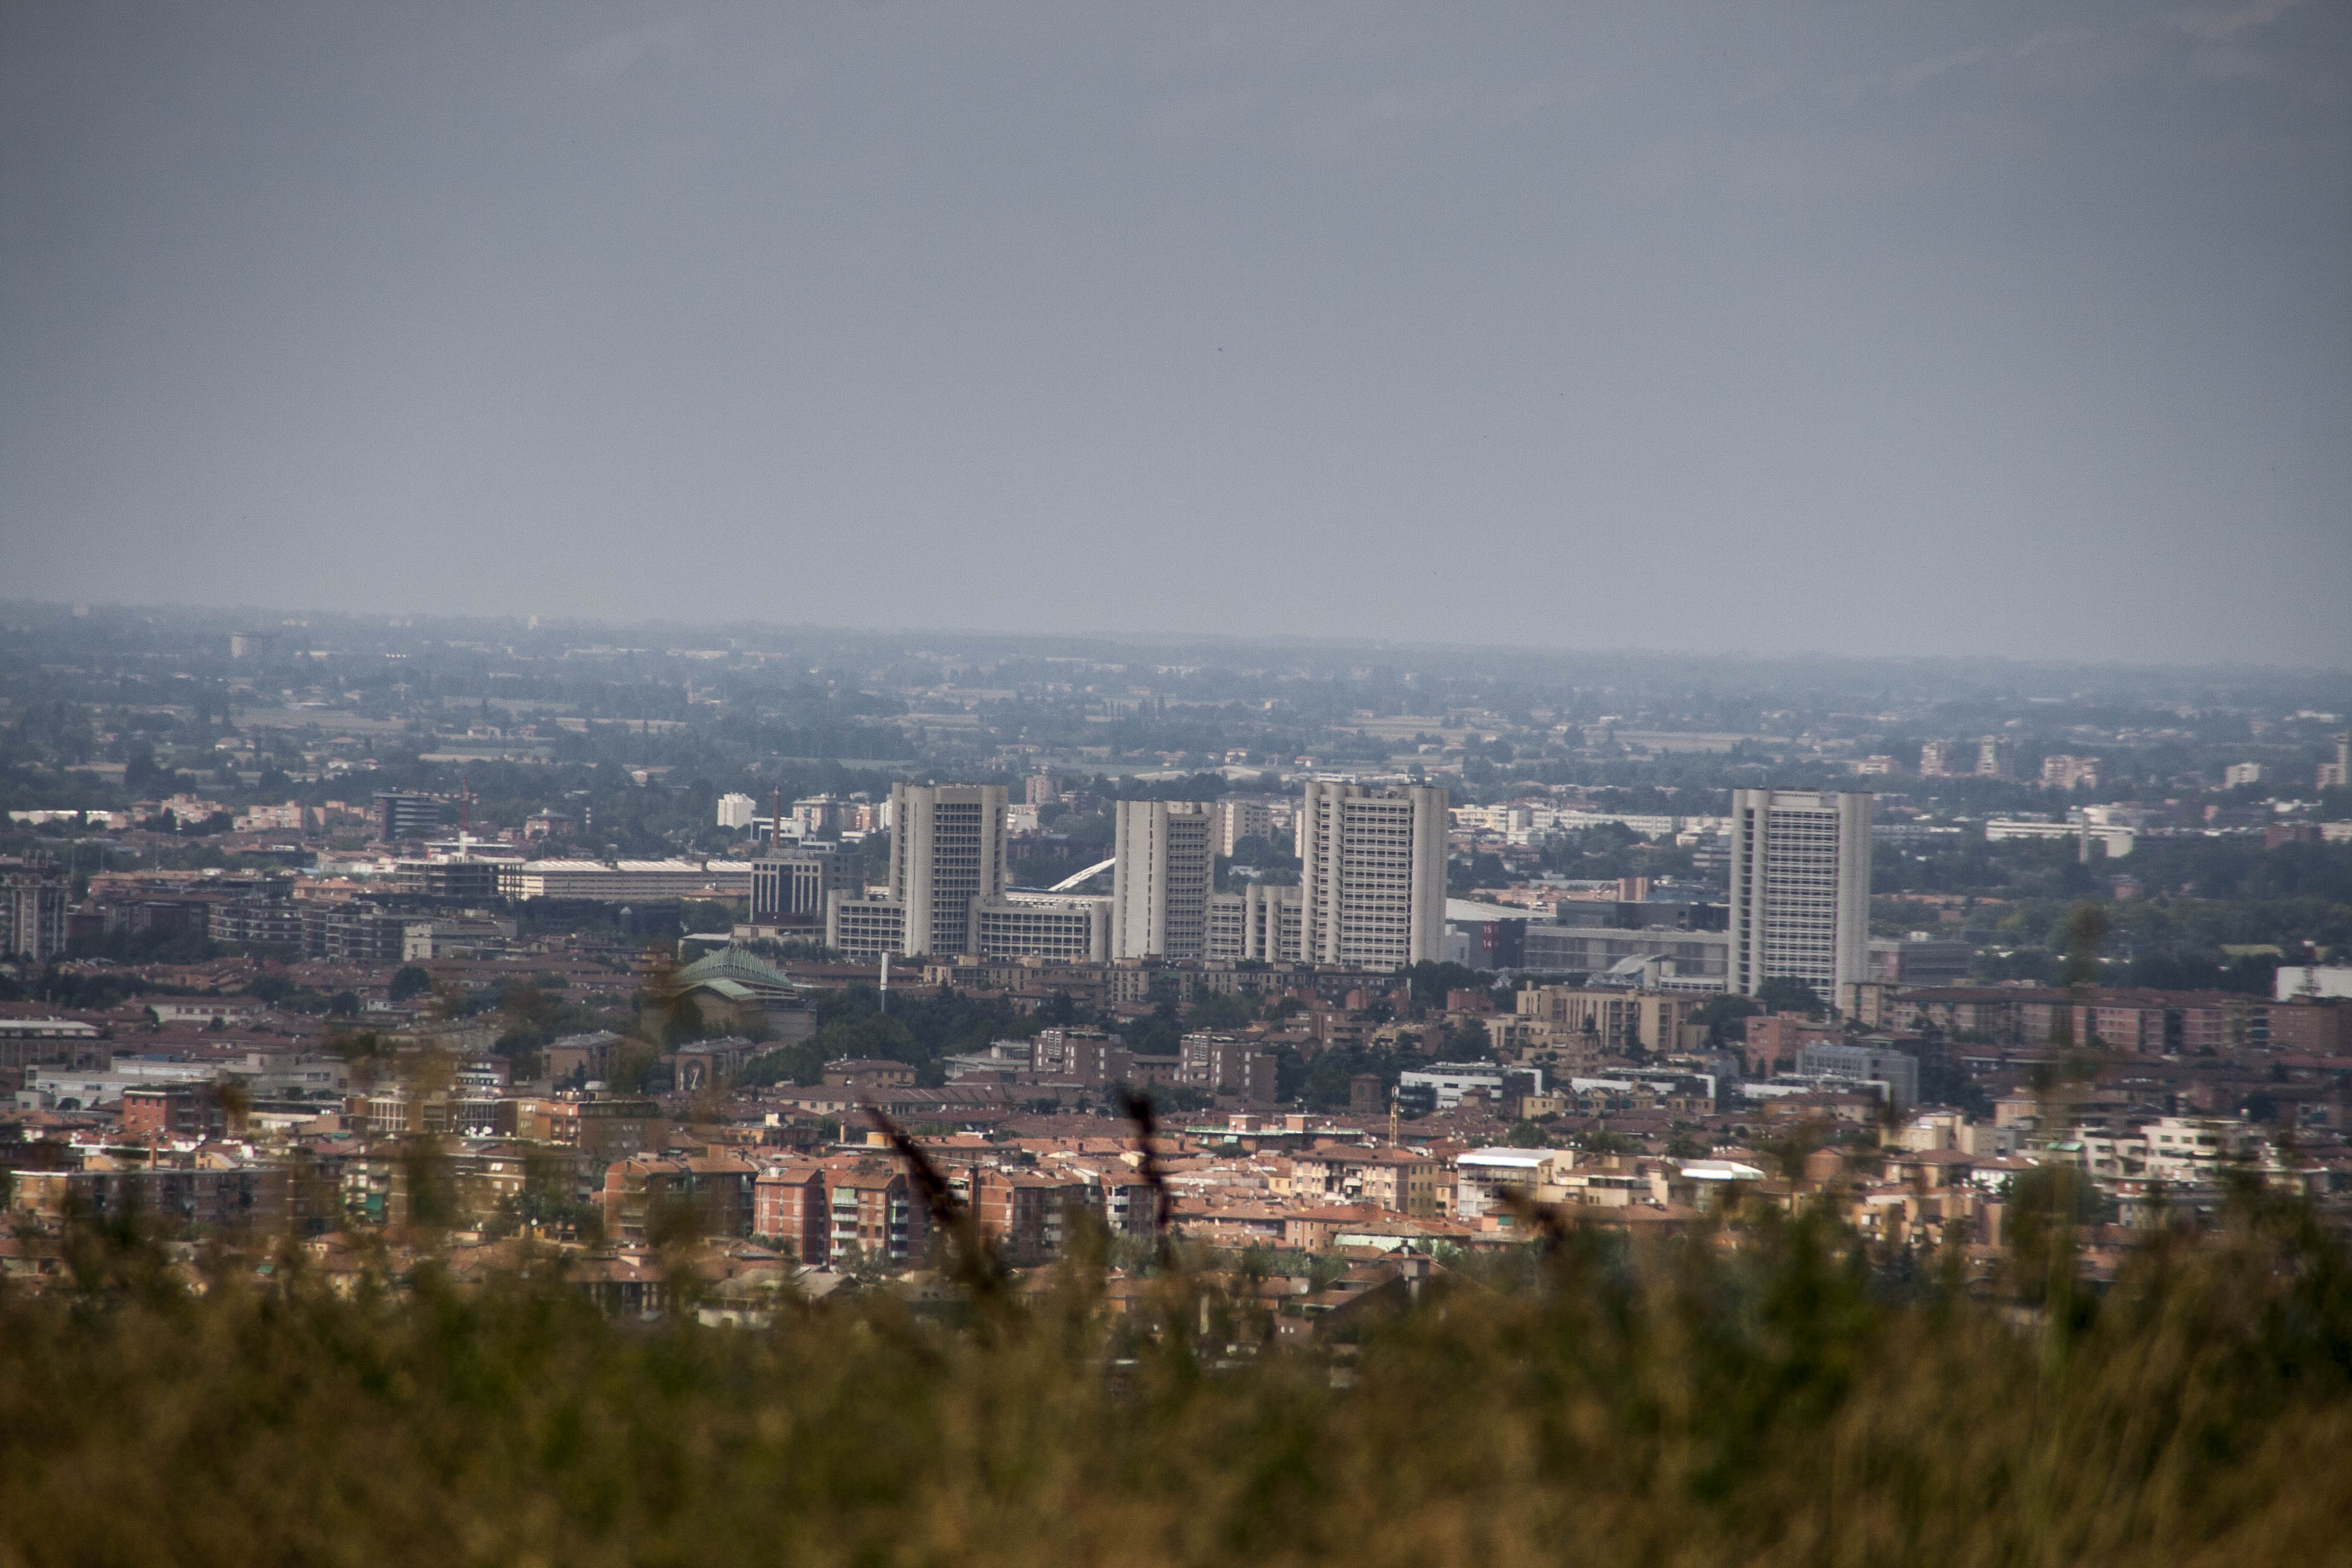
1305, 782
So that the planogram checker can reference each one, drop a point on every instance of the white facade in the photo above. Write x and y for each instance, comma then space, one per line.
1479, 1173
2184, 1150
1800, 889
735, 810
1372, 887
863, 927
1034, 925
1257, 921
2116, 840
624, 881
947, 895
1449, 1081
1238, 819
1166, 865
946, 854
2064, 771
2313, 980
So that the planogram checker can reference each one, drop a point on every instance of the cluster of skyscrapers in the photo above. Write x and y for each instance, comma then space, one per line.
1371, 893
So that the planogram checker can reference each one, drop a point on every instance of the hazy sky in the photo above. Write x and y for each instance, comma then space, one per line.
1945, 328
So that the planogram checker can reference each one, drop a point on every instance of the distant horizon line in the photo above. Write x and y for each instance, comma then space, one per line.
404, 619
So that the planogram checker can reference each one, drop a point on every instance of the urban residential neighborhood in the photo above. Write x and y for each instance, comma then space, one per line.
375, 937
1330, 783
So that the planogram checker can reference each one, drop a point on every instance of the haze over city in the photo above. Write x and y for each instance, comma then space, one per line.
1303, 783
1980, 329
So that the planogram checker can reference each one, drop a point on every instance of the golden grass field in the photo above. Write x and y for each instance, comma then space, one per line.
1760, 1396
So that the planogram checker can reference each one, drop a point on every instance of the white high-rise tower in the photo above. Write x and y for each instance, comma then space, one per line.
1800, 889
947, 853
1160, 888
1372, 882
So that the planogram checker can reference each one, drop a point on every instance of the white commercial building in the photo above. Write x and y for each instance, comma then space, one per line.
735, 810
2115, 838
946, 854
625, 881
947, 895
863, 927
1449, 1081
1042, 925
1166, 857
1480, 1174
1800, 889
1373, 886
2187, 1150
2313, 980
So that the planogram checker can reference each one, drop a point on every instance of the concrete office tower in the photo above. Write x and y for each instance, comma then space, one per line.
947, 852
1372, 884
1800, 889
1160, 888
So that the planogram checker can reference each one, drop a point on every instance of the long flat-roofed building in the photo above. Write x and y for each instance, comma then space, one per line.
1039, 925
625, 881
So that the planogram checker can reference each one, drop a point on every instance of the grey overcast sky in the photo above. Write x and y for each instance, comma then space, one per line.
1866, 328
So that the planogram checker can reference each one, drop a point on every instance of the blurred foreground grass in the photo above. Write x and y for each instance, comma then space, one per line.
1705, 1403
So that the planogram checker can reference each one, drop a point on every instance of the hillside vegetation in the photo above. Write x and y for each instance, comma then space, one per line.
1760, 1396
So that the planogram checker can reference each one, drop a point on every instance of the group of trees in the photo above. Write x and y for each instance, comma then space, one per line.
1725, 1016
919, 1027
2200, 896
280, 991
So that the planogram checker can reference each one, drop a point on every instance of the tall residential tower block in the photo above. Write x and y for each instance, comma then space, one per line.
1167, 860
1372, 879
1800, 889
